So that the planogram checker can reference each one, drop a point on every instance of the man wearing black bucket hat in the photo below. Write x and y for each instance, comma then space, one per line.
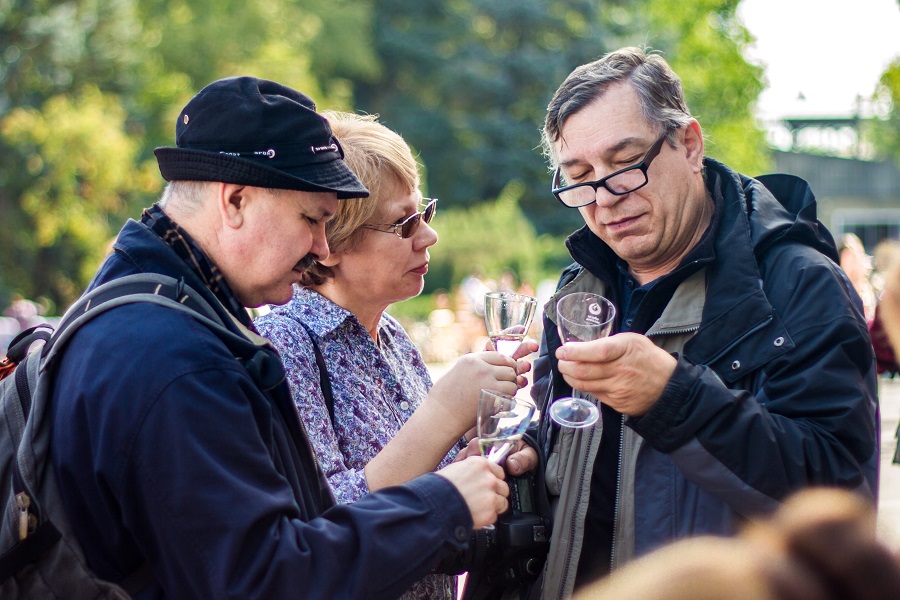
173, 454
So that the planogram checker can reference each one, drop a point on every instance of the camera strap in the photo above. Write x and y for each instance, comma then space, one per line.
324, 381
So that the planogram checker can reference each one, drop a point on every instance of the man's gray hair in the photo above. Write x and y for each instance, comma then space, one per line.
185, 196
658, 88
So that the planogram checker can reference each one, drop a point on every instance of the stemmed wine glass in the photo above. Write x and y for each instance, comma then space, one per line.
580, 317
502, 421
508, 316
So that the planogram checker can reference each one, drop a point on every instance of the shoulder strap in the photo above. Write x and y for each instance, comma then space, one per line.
35, 540
324, 381
141, 287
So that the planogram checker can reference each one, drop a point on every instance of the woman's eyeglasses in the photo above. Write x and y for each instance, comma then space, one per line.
408, 226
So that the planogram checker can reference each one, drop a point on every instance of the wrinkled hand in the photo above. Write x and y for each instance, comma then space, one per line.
458, 390
526, 348
481, 485
625, 371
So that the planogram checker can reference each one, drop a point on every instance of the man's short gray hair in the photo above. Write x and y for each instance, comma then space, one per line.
185, 196
658, 88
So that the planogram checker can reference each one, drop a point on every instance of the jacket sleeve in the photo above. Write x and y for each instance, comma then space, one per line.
292, 341
216, 519
806, 417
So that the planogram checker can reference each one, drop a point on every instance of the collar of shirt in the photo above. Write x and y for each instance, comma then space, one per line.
321, 315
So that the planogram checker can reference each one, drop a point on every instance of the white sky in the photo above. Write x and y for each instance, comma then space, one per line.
828, 50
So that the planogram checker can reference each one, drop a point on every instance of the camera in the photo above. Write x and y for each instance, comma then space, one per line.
515, 550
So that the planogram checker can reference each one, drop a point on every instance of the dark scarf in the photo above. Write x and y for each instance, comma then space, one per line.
186, 248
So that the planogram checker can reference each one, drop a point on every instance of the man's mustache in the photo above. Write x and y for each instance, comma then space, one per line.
306, 263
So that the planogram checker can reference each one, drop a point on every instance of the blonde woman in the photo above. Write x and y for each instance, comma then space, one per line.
390, 423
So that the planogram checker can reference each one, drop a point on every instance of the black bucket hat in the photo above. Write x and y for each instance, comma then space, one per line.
257, 132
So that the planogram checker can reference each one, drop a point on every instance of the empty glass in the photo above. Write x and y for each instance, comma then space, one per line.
580, 317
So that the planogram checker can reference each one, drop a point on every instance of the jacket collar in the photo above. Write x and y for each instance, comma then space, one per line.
748, 219
145, 252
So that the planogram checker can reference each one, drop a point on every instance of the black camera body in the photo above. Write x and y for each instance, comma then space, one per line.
515, 550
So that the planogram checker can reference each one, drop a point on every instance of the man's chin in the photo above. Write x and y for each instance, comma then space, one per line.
276, 298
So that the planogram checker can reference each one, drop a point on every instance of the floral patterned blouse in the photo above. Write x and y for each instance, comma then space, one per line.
376, 388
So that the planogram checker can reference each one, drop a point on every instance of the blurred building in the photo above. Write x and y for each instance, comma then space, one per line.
854, 193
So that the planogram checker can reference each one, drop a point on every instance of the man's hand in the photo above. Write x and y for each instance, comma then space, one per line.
626, 371
481, 484
522, 458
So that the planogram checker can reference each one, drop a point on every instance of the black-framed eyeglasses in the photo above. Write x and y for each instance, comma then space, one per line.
623, 181
408, 226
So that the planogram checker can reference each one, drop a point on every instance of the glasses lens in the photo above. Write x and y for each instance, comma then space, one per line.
429, 211
578, 195
410, 225
627, 181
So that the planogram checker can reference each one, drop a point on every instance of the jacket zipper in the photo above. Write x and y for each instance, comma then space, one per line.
675, 330
615, 524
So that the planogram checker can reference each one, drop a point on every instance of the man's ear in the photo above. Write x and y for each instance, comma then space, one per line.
692, 138
231, 202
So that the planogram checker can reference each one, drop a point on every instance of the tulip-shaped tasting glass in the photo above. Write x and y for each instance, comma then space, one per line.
580, 317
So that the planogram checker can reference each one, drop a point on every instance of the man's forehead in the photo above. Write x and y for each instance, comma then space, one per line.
319, 204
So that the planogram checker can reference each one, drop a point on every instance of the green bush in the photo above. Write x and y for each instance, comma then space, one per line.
493, 238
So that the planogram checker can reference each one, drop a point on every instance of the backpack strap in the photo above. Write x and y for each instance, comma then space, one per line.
141, 287
324, 381
144, 287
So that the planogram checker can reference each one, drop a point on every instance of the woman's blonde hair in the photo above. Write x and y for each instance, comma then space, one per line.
383, 162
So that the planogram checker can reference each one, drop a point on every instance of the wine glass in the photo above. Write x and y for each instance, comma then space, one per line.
502, 421
508, 316
581, 317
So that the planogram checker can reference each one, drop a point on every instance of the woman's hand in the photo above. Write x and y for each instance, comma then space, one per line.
456, 393
526, 348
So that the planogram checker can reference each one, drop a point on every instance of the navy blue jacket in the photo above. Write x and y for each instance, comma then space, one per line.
776, 389
169, 452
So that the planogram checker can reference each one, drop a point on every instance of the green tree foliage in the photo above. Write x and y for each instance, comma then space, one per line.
192, 43
66, 148
469, 82
89, 87
73, 148
703, 41
492, 237
884, 130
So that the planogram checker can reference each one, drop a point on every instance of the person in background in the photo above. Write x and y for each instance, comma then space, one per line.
858, 267
885, 258
178, 460
390, 423
740, 369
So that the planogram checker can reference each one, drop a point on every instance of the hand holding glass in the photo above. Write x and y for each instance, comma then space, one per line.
580, 317
508, 316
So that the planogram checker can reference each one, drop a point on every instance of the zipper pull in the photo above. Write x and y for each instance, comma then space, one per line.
23, 502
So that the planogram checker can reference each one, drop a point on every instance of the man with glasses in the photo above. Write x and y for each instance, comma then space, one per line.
740, 368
